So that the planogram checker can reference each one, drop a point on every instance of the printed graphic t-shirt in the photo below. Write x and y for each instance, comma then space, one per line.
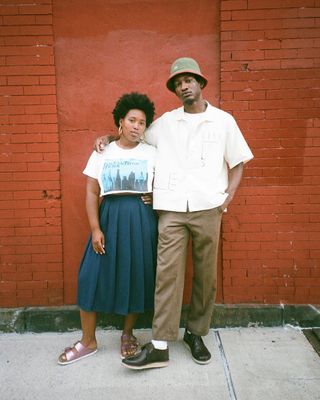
121, 170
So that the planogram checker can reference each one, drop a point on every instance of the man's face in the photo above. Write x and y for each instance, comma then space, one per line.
187, 88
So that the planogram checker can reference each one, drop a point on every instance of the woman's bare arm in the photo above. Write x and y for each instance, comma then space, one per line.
92, 206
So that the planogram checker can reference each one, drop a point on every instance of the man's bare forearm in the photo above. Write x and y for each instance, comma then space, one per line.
235, 176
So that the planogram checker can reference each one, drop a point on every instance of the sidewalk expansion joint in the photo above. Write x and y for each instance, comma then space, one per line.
313, 336
227, 372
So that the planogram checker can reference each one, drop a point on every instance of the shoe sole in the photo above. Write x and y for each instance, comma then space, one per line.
148, 366
194, 359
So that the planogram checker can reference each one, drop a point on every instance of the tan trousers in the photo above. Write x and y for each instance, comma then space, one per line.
175, 229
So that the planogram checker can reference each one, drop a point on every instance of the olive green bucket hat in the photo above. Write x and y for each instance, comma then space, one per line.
184, 65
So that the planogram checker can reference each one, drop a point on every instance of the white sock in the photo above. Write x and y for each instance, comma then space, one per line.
160, 344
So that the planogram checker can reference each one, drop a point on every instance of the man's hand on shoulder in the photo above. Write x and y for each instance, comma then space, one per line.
102, 141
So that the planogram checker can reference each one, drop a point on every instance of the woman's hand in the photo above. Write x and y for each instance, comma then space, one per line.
146, 198
98, 241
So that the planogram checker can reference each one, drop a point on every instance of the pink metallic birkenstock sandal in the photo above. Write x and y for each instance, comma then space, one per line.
75, 353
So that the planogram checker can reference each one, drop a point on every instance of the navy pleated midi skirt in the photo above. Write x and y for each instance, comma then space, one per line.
121, 281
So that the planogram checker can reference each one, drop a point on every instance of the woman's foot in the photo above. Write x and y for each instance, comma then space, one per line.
129, 345
76, 353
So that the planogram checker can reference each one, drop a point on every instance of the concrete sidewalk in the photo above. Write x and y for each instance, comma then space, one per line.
248, 363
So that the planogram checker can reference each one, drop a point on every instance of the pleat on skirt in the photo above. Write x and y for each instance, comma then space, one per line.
121, 281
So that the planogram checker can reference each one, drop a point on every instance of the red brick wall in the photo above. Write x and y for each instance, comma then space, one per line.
30, 242
270, 81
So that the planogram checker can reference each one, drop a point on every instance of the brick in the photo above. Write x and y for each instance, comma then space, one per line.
23, 302
55, 285
7, 286
49, 185
50, 138
43, 166
35, 176
27, 138
253, 4
246, 35
40, 109
8, 10
48, 80
49, 118
53, 212
29, 60
24, 119
43, 276
44, 19
234, 5
13, 167
35, 9
265, 25
24, 100
42, 128
18, 2
20, 40
306, 12
13, 148
281, 53
24, 294
225, 15
294, 33
264, 14
297, 43
18, 19
26, 50
234, 26
298, 63
31, 285
44, 147
27, 70
39, 90
10, 91
27, 157
28, 194
13, 259
299, 23
36, 30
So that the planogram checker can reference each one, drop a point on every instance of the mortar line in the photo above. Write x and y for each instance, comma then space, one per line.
227, 372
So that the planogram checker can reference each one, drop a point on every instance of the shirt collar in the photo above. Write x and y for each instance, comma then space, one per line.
208, 115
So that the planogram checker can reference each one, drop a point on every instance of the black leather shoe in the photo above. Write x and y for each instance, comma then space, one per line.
200, 354
149, 357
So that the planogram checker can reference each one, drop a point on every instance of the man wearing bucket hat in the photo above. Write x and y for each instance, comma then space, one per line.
199, 164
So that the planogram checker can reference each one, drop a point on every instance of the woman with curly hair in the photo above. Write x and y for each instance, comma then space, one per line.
117, 272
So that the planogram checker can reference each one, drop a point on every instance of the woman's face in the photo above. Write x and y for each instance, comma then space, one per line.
133, 127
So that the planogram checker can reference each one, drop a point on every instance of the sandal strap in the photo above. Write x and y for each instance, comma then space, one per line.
69, 352
79, 347
129, 338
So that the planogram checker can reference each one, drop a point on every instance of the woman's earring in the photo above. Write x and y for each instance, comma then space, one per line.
120, 130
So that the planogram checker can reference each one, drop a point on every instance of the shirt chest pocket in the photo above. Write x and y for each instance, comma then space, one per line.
210, 148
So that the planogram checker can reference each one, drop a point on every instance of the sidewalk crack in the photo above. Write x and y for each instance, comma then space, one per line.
227, 372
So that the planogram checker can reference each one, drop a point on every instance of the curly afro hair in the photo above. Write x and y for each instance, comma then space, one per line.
132, 101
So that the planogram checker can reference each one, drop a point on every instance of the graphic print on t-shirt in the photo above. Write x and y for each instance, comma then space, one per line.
124, 175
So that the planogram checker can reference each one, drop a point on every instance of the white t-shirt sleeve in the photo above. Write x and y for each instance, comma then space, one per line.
237, 149
93, 165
